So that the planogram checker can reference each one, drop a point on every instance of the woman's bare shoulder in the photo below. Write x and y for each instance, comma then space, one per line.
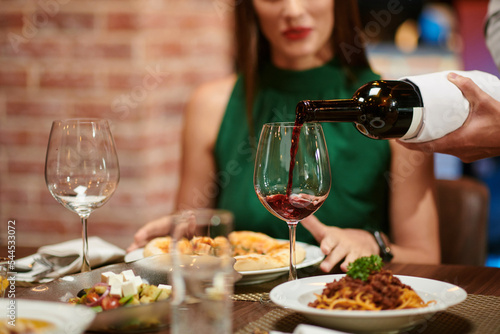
214, 95
205, 111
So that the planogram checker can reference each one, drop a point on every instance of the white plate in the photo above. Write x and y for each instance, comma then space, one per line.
134, 319
313, 257
143, 318
295, 295
65, 318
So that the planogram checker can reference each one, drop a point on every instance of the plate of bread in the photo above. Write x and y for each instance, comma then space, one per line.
259, 257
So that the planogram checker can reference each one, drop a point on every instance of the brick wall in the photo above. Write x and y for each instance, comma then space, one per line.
132, 62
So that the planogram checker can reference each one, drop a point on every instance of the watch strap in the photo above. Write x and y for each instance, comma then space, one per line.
385, 249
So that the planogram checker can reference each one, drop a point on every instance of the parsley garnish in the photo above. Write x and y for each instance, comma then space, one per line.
364, 266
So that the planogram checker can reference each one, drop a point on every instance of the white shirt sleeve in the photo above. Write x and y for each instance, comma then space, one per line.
445, 107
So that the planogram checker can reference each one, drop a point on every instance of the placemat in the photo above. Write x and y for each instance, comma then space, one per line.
477, 314
249, 297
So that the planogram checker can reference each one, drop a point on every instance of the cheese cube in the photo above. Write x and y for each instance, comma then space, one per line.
128, 289
116, 290
106, 276
115, 280
137, 281
128, 275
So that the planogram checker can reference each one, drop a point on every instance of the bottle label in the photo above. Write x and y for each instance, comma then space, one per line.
416, 123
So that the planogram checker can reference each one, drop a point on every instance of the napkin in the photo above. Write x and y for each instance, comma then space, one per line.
445, 107
100, 252
309, 329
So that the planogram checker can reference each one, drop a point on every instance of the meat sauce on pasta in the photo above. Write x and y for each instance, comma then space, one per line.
381, 291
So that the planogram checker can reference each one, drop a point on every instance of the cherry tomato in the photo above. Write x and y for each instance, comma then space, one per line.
92, 297
109, 303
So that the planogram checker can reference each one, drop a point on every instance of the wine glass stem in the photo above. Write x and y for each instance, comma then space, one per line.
85, 257
293, 270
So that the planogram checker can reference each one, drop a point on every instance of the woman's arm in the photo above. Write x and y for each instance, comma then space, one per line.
413, 216
197, 186
203, 118
413, 209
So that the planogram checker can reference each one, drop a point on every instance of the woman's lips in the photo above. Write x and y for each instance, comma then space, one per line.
297, 33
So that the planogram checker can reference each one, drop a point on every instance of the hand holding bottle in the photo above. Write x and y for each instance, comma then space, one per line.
478, 137
415, 109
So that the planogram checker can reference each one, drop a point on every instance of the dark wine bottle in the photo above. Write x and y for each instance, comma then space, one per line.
381, 109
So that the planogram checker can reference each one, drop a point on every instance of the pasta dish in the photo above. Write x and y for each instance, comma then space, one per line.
381, 291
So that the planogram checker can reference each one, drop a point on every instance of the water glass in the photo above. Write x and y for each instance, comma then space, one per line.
203, 274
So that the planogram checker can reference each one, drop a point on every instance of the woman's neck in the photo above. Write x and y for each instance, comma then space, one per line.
302, 63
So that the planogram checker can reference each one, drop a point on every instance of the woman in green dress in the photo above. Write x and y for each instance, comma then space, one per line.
287, 51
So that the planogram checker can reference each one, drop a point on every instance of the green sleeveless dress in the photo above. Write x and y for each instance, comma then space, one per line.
359, 165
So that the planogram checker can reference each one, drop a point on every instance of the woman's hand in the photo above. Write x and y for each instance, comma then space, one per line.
337, 243
156, 228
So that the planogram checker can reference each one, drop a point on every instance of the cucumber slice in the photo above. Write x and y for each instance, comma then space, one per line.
126, 299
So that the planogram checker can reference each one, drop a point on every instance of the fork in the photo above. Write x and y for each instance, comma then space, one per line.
51, 264
49, 267
42, 259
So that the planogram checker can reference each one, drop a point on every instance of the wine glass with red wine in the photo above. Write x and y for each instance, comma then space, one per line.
292, 174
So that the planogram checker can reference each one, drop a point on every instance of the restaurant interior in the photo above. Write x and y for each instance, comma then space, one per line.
447, 35
136, 64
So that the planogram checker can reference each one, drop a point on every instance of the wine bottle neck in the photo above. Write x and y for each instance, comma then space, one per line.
344, 110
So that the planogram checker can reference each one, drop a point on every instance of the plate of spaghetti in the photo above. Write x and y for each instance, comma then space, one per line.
381, 302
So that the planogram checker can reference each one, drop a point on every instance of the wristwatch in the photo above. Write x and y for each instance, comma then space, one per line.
383, 244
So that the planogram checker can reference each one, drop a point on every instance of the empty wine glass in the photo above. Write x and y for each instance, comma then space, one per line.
292, 174
81, 168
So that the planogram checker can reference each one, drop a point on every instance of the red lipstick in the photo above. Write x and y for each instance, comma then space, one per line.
297, 33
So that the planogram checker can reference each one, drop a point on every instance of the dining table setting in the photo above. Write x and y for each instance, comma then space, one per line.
254, 312
206, 277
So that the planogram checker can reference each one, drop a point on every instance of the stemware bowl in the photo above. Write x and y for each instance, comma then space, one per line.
292, 174
81, 168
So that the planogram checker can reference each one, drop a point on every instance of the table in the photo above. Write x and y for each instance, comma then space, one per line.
481, 283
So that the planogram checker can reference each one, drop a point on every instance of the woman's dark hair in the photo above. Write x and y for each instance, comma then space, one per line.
252, 48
